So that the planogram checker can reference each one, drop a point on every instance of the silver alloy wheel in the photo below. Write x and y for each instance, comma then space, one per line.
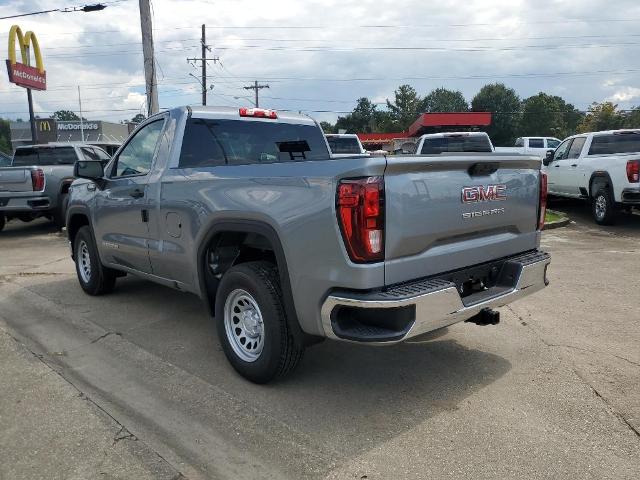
601, 206
84, 261
243, 325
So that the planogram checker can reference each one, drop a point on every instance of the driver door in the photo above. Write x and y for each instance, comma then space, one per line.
121, 220
555, 169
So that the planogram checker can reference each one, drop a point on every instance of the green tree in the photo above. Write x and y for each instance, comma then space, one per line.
601, 116
444, 100
632, 118
65, 115
362, 119
549, 116
326, 127
405, 107
138, 118
5, 137
504, 105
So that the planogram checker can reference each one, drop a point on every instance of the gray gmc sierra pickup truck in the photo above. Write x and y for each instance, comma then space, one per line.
246, 209
37, 182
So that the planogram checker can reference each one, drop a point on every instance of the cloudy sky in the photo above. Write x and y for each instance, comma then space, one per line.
319, 56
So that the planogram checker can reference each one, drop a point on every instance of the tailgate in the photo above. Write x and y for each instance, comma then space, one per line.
15, 179
449, 212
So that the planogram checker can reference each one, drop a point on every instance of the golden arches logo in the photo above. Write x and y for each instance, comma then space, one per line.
24, 41
45, 126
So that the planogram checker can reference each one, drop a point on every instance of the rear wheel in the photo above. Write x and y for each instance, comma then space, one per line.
252, 324
3, 221
94, 278
603, 207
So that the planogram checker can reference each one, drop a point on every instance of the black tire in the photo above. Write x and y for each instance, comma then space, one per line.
280, 353
3, 221
60, 213
99, 279
603, 207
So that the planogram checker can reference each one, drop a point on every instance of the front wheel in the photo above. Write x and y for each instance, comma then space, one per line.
603, 207
94, 278
252, 324
3, 221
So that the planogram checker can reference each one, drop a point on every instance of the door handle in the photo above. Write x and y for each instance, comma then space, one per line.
574, 164
557, 166
137, 193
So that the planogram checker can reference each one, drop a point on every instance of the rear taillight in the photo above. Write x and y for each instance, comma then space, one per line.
37, 180
633, 171
360, 210
542, 209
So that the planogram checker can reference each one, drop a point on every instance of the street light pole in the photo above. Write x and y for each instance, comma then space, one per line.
32, 118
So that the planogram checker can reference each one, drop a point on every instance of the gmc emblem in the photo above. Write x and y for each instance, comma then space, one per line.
480, 193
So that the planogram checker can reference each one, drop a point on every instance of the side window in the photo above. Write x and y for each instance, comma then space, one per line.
563, 149
137, 156
519, 142
536, 143
552, 143
576, 147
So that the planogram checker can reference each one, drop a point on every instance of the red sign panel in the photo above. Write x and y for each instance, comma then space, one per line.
26, 76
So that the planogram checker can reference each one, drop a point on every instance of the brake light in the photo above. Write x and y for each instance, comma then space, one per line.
37, 180
258, 112
633, 171
542, 208
360, 210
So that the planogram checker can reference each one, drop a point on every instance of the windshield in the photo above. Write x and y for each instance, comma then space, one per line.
344, 145
628, 142
457, 143
44, 156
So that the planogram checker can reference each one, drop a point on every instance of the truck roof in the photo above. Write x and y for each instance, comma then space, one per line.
233, 113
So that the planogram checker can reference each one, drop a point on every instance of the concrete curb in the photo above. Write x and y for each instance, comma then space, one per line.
558, 223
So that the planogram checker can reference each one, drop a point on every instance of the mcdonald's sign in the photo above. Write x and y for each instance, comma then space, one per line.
21, 73
45, 126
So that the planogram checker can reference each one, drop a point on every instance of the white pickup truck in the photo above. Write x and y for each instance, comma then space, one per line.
537, 146
602, 167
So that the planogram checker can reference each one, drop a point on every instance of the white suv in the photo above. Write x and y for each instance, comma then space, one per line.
603, 167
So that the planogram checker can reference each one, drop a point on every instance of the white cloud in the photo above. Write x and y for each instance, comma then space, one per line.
625, 94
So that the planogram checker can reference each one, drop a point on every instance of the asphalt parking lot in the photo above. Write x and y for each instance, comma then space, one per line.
551, 392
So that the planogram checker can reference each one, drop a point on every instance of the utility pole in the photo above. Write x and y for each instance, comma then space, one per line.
203, 59
149, 62
204, 65
257, 87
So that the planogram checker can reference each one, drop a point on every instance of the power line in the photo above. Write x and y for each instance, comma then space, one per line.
96, 7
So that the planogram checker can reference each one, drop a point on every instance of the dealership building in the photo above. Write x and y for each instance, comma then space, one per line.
51, 130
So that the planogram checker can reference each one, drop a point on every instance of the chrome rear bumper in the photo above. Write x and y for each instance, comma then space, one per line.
434, 303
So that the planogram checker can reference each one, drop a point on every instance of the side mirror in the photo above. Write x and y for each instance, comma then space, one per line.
89, 169
548, 157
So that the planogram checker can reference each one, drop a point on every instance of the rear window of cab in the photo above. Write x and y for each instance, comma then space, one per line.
626, 142
210, 143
